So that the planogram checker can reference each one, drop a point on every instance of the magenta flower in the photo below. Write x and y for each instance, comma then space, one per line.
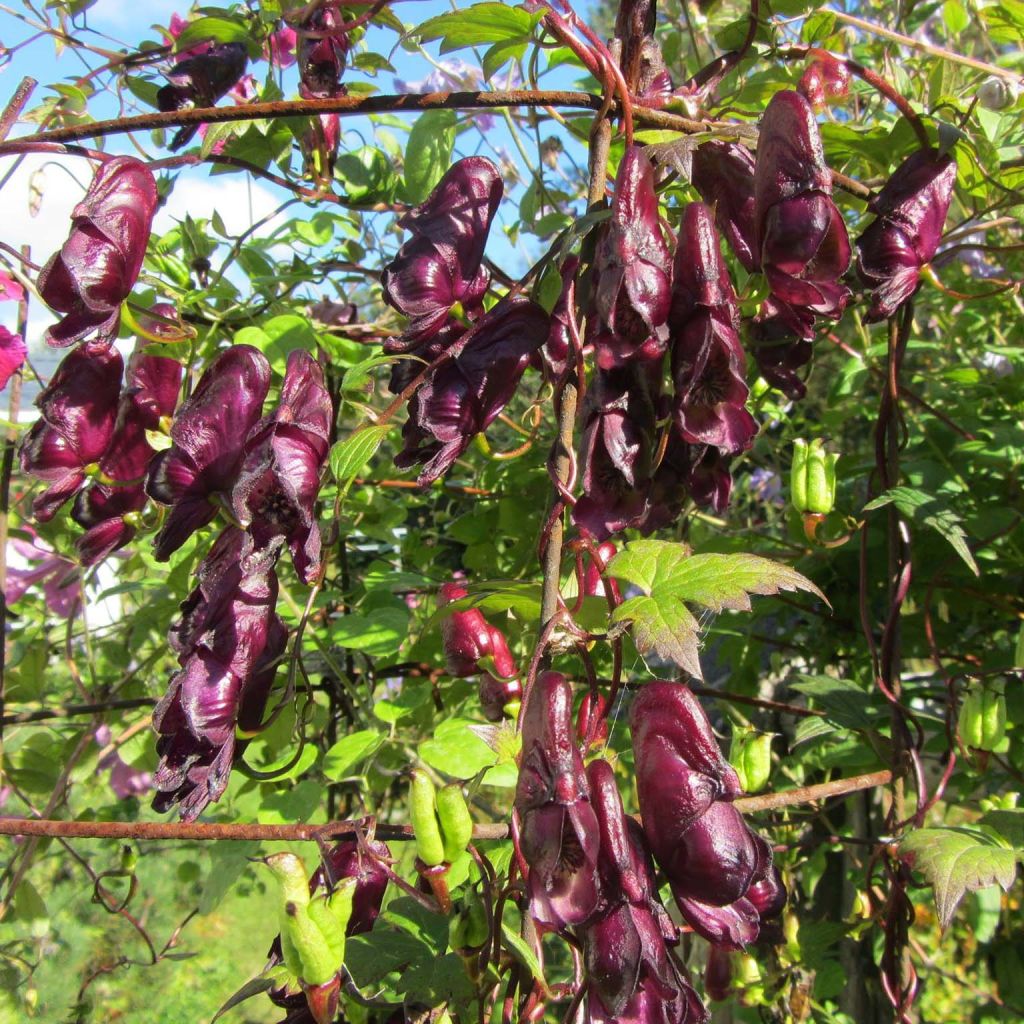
77, 413
708, 361
282, 46
558, 829
200, 80
125, 781
96, 268
228, 644
463, 396
723, 174
208, 434
910, 214
59, 578
633, 270
107, 510
322, 53
10, 290
277, 486
12, 355
438, 268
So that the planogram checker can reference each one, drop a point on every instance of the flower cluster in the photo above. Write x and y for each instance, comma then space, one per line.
96, 268
437, 280
229, 639
471, 646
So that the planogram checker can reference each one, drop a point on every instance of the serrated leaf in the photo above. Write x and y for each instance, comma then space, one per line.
929, 511
670, 577
956, 861
1009, 824
481, 23
349, 752
350, 455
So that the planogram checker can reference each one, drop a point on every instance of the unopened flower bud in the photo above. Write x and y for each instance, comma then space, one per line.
998, 93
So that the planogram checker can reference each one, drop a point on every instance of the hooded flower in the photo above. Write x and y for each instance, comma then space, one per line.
200, 80
96, 268
77, 413
910, 213
438, 268
803, 243
825, 79
685, 787
227, 643
633, 270
471, 646
631, 975
708, 361
275, 493
322, 53
463, 396
558, 831
106, 509
723, 174
207, 438
12, 355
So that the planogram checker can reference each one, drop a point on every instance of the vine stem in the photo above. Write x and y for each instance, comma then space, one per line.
217, 831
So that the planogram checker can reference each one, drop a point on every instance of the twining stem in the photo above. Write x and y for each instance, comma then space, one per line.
204, 831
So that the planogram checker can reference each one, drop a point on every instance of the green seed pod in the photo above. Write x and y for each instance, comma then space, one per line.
982, 721
798, 476
813, 477
750, 753
331, 915
422, 803
456, 823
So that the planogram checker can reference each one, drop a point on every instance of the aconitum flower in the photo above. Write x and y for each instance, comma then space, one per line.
106, 509
558, 829
277, 486
708, 361
558, 349
322, 53
206, 454
804, 247
723, 174
12, 355
633, 279
825, 79
438, 268
228, 644
463, 396
910, 213
96, 268
77, 413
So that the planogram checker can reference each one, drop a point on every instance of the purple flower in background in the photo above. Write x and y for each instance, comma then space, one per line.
96, 268
277, 486
228, 644
58, 578
558, 830
910, 214
438, 268
208, 435
723, 174
12, 355
462, 397
200, 80
125, 781
77, 413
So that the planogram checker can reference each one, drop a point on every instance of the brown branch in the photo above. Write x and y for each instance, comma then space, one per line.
72, 710
810, 794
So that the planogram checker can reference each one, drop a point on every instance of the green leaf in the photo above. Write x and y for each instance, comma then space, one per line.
1009, 824
350, 455
347, 753
928, 511
456, 750
521, 950
670, 576
253, 987
818, 26
844, 702
379, 633
481, 23
219, 30
414, 694
498, 55
956, 861
429, 153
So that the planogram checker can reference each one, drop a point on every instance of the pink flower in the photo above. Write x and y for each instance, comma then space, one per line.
12, 353
10, 290
282, 47
57, 576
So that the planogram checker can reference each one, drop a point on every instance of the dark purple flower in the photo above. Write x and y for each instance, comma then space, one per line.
322, 49
12, 355
558, 349
723, 174
462, 397
200, 80
910, 213
96, 268
438, 268
202, 464
77, 413
708, 361
228, 644
632, 290
558, 831
106, 509
277, 486
803, 244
